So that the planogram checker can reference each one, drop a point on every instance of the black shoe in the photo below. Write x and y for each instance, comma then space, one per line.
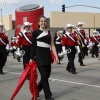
39, 90
14, 57
73, 72
49, 98
86, 54
59, 63
92, 56
18, 60
38, 94
1, 72
51, 93
78, 61
68, 70
28, 77
82, 65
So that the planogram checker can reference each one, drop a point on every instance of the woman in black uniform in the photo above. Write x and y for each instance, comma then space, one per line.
42, 42
57, 42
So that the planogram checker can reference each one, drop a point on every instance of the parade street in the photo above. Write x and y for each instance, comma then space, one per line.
65, 86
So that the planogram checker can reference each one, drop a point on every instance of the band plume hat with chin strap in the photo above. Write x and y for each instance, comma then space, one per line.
80, 23
69, 26
25, 25
2, 25
22, 52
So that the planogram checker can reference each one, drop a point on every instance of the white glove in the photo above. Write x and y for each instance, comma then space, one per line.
61, 54
11, 48
93, 44
78, 29
63, 49
85, 41
18, 52
90, 44
14, 47
7, 46
78, 43
78, 49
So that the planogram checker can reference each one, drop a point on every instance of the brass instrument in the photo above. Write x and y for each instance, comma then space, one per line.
90, 45
22, 53
67, 51
81, 44
98, 45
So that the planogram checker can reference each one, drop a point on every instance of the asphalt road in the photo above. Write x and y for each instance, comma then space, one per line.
65, 86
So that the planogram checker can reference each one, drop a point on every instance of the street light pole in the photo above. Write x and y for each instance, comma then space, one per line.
94, 21
1, 16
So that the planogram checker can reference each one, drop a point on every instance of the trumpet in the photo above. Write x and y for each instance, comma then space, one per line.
67, 51
19, 55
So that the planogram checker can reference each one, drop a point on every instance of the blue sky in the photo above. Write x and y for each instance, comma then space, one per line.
51, 5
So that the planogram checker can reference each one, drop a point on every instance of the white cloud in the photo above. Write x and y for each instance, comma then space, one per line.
56, 1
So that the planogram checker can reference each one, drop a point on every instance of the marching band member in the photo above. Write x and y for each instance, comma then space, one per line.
70, 41
95, 42
13, 46
42, 41
57, 42
18, 57
81, 35
4, 47
25, 39
63, 38
63, 47
98, 34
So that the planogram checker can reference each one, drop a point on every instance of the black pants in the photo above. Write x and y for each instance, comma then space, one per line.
3, 56
82, 53
7, 53
45, 72
86, 50
58, 49
26, 57
13, 51
95, 50
71, 57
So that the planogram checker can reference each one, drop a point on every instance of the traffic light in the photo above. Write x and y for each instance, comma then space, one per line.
63, 8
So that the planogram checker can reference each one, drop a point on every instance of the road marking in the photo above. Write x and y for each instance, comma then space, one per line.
52, 79
13, 73
96, 86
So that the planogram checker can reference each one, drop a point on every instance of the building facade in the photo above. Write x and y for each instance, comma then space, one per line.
60, 19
